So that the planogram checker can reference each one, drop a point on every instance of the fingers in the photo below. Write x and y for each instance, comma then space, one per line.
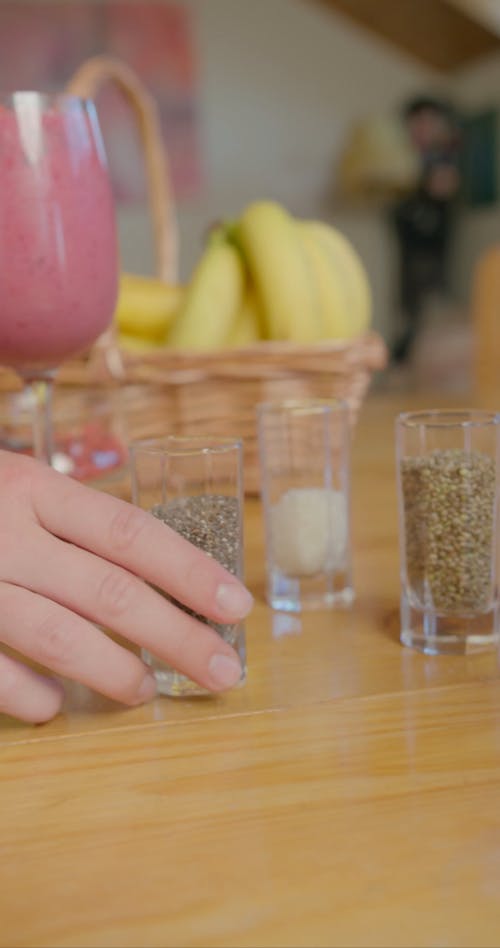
60, 640
51, 589
26, 695
140, 543
119, 600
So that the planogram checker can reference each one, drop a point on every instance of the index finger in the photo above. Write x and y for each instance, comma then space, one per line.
134, 539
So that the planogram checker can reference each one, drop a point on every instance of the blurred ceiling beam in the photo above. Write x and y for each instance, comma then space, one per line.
439, 33
486, 12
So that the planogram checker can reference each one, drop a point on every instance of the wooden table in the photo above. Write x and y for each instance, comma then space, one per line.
347, 796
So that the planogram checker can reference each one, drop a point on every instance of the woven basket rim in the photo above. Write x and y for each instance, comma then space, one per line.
261, 362
263, 350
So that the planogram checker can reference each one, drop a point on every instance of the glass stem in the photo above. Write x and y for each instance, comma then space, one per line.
41, 389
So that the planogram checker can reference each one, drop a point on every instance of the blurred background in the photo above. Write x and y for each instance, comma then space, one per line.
379, 116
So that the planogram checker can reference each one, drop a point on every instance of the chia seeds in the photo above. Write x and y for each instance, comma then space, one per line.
212, 523
449, 513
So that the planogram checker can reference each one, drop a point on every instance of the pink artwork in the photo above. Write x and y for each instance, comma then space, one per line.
43, 43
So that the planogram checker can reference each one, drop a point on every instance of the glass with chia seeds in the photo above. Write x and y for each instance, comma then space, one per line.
305, 484
195, 486
447, 467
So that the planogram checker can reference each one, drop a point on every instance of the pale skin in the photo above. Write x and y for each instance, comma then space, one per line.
72, 559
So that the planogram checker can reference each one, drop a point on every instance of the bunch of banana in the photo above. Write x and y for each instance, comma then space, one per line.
309, 278
266, 276
145, 311
271, 276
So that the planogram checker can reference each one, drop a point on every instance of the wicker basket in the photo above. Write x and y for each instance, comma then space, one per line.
213, 392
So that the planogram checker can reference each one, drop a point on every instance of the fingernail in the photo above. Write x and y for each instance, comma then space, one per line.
234, 600
224, 671
148, 689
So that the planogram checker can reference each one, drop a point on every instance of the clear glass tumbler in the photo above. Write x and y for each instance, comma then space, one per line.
304, 449
90, 430
195, 486
447, 467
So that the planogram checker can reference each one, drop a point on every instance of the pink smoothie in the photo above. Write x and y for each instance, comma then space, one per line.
58, 251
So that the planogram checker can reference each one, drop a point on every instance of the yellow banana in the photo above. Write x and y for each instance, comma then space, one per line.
349, 269
246, 328
280, 271
138, 343
146, 306
213, 297
333, 298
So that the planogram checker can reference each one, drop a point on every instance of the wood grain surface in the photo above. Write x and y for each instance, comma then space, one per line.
346, 796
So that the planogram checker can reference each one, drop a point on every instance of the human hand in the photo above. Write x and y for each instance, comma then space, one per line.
71, 556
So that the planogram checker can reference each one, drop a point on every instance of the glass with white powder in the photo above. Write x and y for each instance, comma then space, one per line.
305, 481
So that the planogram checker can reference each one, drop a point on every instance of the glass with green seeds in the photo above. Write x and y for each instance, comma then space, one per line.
194, 485
447, 466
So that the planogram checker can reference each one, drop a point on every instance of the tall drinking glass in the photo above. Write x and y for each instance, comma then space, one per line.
305, 475
58, 246
194, 485
448, 477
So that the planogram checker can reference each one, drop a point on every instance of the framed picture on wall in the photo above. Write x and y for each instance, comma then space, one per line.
480, 157
42, 42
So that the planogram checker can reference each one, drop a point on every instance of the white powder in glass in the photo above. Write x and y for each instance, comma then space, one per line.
309, 531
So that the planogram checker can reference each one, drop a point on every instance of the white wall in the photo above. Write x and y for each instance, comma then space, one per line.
280, 83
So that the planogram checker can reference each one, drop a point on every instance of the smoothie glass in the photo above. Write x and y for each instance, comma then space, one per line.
58, 245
